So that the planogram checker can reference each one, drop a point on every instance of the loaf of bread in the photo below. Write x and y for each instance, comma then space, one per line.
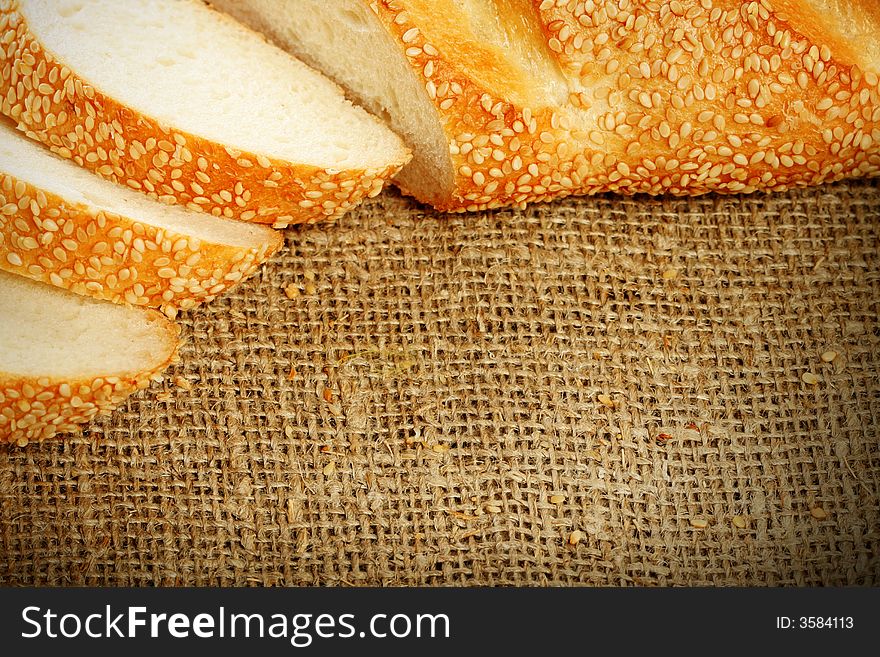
63, 225
512, 101
502, 102
64, 358
178, 101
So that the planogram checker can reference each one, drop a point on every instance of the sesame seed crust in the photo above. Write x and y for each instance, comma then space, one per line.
478, 124
55, 106
683, 97
35, 408
98, 253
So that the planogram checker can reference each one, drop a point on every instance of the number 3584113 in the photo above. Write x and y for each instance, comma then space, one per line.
815, 622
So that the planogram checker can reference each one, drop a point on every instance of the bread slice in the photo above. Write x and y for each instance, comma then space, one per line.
176, 100
62, 225
64, 358
514, 101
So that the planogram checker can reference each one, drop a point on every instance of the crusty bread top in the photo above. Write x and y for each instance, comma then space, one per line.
539, 99
850, 28
683, 97
725, 95
498, 47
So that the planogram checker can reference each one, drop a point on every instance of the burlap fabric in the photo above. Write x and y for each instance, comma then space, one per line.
601, 391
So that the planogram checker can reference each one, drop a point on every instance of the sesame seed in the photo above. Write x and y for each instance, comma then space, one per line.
605, 400
828, 356
628, 47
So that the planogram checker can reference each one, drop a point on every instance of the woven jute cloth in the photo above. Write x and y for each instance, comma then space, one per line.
606, 391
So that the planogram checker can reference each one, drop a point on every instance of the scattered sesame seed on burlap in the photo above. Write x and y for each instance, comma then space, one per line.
499, 383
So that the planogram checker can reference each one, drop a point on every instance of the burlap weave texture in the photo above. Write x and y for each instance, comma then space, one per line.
600, 391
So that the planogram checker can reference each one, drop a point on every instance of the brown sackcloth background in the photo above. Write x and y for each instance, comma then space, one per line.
435, 408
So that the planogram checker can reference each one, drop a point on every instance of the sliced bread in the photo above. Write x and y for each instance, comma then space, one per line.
64, 358
62, 225
515, 101
179, 101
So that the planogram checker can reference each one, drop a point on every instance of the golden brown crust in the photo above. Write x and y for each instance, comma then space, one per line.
501, 154
850, 28
53, 105
114, 257
721, 96
682, 97
34, 408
